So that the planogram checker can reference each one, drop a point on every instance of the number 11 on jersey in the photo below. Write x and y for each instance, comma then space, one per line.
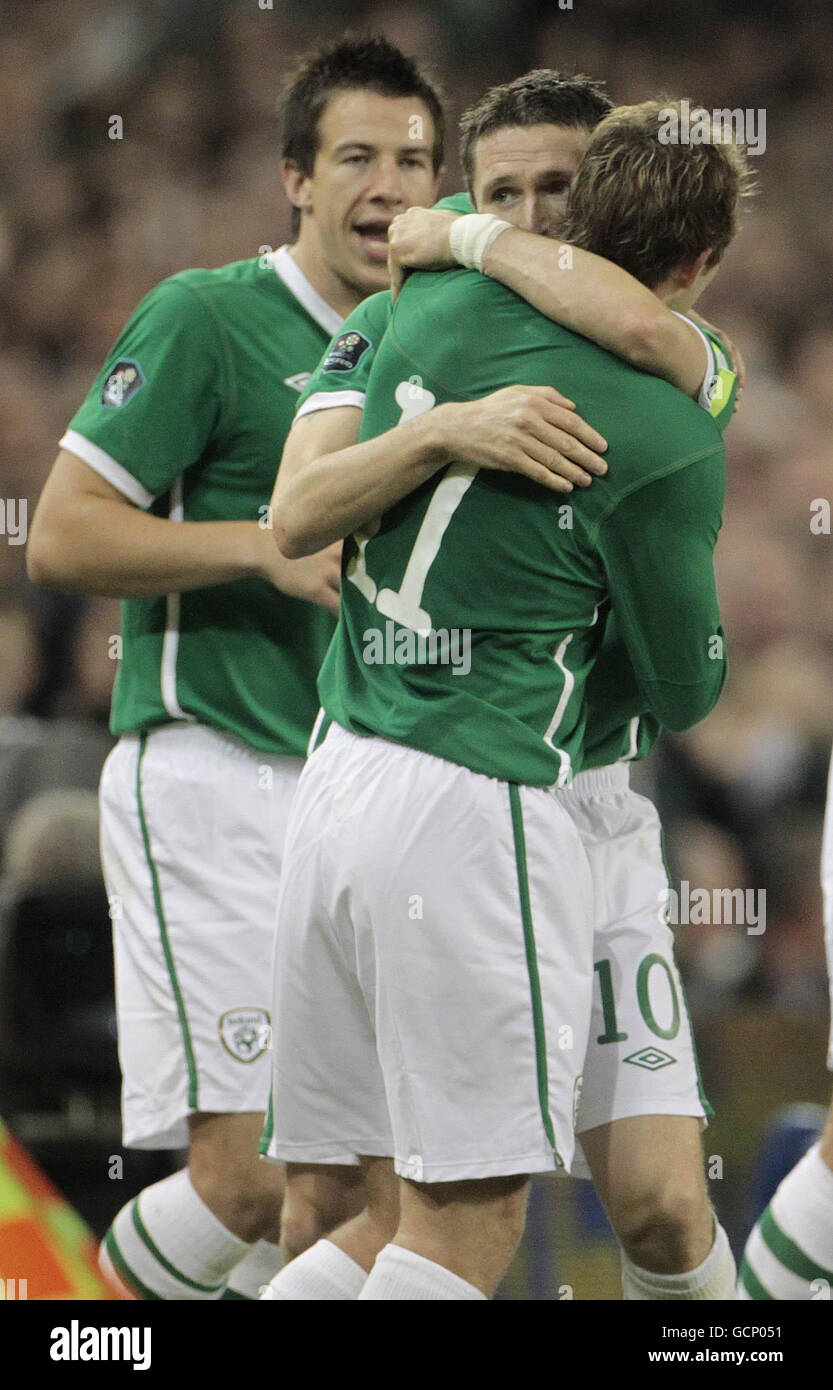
404, 605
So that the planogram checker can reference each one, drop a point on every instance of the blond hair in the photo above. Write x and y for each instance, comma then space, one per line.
652, 204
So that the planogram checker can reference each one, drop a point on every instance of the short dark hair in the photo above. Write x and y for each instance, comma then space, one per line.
371, 63
541, 97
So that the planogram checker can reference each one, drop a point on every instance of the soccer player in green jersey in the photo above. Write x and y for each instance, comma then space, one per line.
493, 745
159, 496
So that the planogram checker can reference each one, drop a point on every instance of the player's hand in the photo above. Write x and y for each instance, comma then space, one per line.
419, 240
316, 578
738, 364
532, 430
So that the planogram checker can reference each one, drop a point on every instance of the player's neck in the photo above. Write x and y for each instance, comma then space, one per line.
333, 290
681, 301
679, 293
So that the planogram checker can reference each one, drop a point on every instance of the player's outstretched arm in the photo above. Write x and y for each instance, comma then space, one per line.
576, 288
86, 536
330, 485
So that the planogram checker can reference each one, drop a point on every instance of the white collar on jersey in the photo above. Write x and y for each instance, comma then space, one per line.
297, 283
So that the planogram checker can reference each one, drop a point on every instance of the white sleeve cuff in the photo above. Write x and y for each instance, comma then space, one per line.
106, 467
704, 397
328, 400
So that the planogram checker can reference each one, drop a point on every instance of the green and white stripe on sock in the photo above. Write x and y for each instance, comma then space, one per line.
789, 1255
167, 1244
140, 1263
775, 1267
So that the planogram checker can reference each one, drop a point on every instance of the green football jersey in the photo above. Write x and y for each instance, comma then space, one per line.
619, 727
188, 418
472, 615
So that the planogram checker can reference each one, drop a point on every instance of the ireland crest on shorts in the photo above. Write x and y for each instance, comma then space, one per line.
245, 1033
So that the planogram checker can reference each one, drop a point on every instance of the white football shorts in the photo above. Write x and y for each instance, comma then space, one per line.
433, 969
192, 830
641, 1058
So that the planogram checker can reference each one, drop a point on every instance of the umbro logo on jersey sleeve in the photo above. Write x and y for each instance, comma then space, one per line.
298, 381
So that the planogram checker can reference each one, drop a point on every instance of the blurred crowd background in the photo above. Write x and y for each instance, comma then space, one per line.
88, 223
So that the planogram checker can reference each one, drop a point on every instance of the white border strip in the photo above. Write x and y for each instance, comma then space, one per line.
170, 642
704, 397
633, 746
566, 692
288, 270
327, 400
319, 720
106, 467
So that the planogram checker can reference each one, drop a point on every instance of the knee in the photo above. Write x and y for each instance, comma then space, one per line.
312, 1209
664, 1229
478, 1213
243, 1198
303, 1222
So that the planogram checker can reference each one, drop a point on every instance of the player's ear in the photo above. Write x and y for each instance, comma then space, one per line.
687, 273
438, 178
296, 185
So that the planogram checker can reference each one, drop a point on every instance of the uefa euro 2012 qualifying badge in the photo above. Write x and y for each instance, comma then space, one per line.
122, 383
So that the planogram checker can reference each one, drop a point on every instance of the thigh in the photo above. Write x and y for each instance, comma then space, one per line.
224, 1148
633, 1160
331, 1192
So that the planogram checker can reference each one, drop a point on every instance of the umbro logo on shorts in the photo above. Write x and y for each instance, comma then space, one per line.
245, 1033
651, 1058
